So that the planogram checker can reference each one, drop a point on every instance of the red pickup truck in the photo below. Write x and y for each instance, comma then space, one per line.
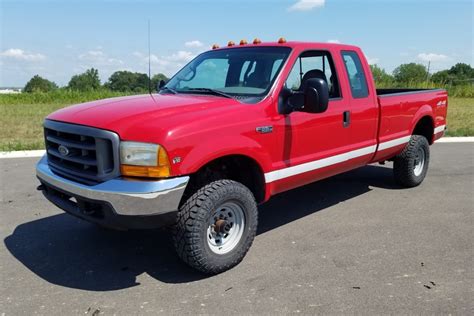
235, 126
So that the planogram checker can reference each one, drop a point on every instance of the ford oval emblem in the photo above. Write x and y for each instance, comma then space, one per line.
63, 150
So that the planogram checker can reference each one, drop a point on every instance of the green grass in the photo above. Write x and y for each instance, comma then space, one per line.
460, 117
21, 115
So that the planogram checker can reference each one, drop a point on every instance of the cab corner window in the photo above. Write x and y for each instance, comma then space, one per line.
356, 74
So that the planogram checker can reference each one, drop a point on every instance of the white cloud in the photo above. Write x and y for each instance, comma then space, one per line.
92, 54
167, 64
372, 61
432, 57
19, 54
97, 58
306, 5
194, 43
181, 56
334, 41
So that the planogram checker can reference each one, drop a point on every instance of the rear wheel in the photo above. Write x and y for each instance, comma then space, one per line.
216, 226
411, 165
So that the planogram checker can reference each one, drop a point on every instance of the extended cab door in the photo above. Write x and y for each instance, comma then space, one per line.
313, 146
362, 119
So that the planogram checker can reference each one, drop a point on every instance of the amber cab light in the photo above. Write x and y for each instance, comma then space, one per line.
257, 41
281, 40
243, 42
231, 43
215, 46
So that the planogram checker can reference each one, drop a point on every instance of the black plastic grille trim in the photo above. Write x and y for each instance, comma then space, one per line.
93, 153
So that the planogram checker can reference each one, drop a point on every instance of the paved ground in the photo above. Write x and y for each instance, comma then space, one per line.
355, 243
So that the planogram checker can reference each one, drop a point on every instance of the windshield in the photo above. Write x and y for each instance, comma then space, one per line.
247, 72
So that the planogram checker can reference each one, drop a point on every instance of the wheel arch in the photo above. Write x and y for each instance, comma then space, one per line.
236, 166
423, 123
425, 127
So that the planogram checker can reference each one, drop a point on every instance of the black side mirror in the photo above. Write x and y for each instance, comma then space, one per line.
313, 99
316, 96
161, 84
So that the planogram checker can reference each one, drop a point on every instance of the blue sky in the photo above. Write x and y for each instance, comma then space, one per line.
57, 39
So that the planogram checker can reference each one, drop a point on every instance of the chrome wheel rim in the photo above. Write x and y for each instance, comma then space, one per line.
226, 227
419, 162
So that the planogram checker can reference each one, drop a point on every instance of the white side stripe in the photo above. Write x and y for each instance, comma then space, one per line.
439, 129
394, 142
329, 161
317, 164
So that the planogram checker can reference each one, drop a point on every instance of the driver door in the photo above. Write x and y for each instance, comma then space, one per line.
312, 144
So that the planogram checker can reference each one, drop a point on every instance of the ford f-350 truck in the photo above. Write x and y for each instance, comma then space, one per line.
235, 126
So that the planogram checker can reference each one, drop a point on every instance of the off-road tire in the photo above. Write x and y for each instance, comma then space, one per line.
190, 231
404, 163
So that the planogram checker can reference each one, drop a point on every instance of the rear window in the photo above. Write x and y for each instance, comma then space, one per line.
356, 74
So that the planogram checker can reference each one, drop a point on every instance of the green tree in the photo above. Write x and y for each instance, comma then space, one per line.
156, 79
128, 81
442, 76
380, 75
86, 81
457, 74
38, 84
410, 73
462, 71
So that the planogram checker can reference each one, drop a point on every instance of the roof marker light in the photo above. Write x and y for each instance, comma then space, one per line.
231, 43
215, 46
257, 41
243, 42
281, 40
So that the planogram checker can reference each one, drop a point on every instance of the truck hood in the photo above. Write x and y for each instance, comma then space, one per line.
128, 116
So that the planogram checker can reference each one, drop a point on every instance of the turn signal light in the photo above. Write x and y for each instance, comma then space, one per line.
243, 42
257, 41
281, 40
144, 171
231, 43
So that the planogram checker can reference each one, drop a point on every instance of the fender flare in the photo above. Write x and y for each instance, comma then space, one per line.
424, 110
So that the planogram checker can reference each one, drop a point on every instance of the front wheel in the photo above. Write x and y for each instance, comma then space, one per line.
216, 226
411, 165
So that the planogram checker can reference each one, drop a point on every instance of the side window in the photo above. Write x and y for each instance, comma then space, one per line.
314, 64
356, 74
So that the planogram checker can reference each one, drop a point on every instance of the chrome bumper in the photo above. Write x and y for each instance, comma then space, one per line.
126, 196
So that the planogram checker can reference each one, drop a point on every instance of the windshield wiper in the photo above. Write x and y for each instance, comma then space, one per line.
173, 91
212, 91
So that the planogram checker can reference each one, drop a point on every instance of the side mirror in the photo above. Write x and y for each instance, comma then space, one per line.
313, 99
161, 84
316, 96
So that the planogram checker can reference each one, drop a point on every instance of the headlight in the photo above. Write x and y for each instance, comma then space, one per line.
143, 160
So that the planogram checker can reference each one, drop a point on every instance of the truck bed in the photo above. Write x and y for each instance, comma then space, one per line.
390, 91
401, 108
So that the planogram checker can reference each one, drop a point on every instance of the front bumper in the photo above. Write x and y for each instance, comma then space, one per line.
123, 198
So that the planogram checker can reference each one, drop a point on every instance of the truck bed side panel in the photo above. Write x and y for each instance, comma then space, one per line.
400, 112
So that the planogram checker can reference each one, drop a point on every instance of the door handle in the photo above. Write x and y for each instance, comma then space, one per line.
346, 118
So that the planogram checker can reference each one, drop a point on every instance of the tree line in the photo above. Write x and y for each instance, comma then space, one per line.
410, 74
413, 74
123, 81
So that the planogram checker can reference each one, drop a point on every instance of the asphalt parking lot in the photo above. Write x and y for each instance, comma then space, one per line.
355, 243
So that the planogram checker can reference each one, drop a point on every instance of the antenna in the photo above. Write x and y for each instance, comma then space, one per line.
149, 59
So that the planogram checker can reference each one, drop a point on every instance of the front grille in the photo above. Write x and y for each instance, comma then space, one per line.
80, 153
